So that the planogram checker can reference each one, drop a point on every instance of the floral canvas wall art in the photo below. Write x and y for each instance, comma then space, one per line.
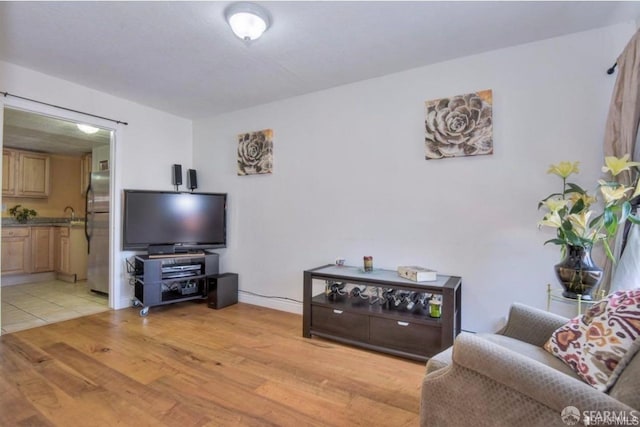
255, 152
460, 125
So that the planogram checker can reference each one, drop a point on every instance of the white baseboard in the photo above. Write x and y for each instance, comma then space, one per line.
276, 304
123, 303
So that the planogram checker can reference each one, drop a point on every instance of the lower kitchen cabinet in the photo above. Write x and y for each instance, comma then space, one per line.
71, 254
42, 249
45, 249
16, 250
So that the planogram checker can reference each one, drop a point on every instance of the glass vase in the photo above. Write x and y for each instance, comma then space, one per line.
577, 273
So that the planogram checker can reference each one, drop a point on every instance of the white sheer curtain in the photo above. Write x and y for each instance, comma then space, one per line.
621, 134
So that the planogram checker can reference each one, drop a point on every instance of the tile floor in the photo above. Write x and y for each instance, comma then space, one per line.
36, 304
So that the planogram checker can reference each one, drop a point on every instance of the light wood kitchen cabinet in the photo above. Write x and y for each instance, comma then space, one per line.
16, 250
71, 254
34, 175
85, 172
25, 173
42, 249
61, 257
8, 173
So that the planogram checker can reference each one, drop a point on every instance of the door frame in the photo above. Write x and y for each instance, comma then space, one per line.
115, 292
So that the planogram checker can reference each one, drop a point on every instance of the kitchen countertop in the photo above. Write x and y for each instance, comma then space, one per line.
44, 222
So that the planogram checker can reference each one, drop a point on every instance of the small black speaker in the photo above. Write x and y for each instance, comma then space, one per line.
192, 179
176, 175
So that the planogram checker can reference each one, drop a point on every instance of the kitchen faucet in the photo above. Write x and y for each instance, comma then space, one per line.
73, 213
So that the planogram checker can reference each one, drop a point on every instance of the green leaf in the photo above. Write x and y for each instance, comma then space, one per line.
595, 220
578, 207
625, 211
555, 241
634, 219
610, 221
608, 215
607, 250
573, 188
572, 238
609, 184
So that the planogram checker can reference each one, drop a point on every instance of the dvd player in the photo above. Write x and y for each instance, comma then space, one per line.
180, 274
179, 268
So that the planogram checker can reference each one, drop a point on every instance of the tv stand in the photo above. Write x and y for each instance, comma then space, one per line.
164, 279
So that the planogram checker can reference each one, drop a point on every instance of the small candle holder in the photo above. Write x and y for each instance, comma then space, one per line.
435, 308
368, 263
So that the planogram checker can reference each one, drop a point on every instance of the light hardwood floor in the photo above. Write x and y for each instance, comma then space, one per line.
188, 365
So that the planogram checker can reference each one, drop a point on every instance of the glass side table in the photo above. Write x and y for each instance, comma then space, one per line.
556, 295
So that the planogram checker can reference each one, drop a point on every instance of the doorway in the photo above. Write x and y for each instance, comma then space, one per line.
48, 164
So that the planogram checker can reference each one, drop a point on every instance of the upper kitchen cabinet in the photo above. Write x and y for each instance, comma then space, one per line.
25, 174
34, 174
8, 172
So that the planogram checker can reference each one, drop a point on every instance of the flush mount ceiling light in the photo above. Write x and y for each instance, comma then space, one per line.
87, 129
247, 20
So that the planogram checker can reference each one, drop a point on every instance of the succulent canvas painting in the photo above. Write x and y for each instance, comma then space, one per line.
460, 125
255, 152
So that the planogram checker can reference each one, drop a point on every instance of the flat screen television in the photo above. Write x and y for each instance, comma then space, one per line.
184, 221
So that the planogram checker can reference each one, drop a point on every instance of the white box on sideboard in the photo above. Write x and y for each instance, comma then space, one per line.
417, 274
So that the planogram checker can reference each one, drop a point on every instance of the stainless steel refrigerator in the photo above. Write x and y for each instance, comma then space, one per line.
96, 229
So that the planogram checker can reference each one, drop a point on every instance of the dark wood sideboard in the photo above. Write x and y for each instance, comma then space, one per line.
373, 322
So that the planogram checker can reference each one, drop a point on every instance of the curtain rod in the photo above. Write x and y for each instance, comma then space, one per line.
64, 108
612, 69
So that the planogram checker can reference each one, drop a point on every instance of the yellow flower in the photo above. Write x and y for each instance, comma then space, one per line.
613, 194
580, 222
616, 165
564, 169
552, 220
586, 199
554, 205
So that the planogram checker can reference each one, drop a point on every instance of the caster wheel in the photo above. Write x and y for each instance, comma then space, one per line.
136, 303
144, 311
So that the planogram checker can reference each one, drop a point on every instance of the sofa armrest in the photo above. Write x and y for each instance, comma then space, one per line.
531, 325
529, 377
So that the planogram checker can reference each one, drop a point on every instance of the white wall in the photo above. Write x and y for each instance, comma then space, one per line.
350, 178
144, 150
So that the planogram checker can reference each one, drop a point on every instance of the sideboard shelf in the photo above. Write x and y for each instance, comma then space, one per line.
376, 310
373, 322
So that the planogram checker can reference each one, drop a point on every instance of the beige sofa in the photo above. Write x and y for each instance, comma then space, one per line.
508, 379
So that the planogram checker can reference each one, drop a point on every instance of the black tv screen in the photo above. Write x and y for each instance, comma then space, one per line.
185, 220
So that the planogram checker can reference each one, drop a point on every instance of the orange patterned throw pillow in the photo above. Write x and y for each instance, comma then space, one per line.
599, 344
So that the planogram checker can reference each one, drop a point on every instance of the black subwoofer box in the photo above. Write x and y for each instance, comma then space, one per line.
223, 290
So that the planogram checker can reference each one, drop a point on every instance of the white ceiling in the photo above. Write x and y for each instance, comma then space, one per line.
181, 57
37, 132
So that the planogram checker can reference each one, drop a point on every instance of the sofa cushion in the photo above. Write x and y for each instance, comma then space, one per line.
599, 344
531, 351
626, 387
443, 359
